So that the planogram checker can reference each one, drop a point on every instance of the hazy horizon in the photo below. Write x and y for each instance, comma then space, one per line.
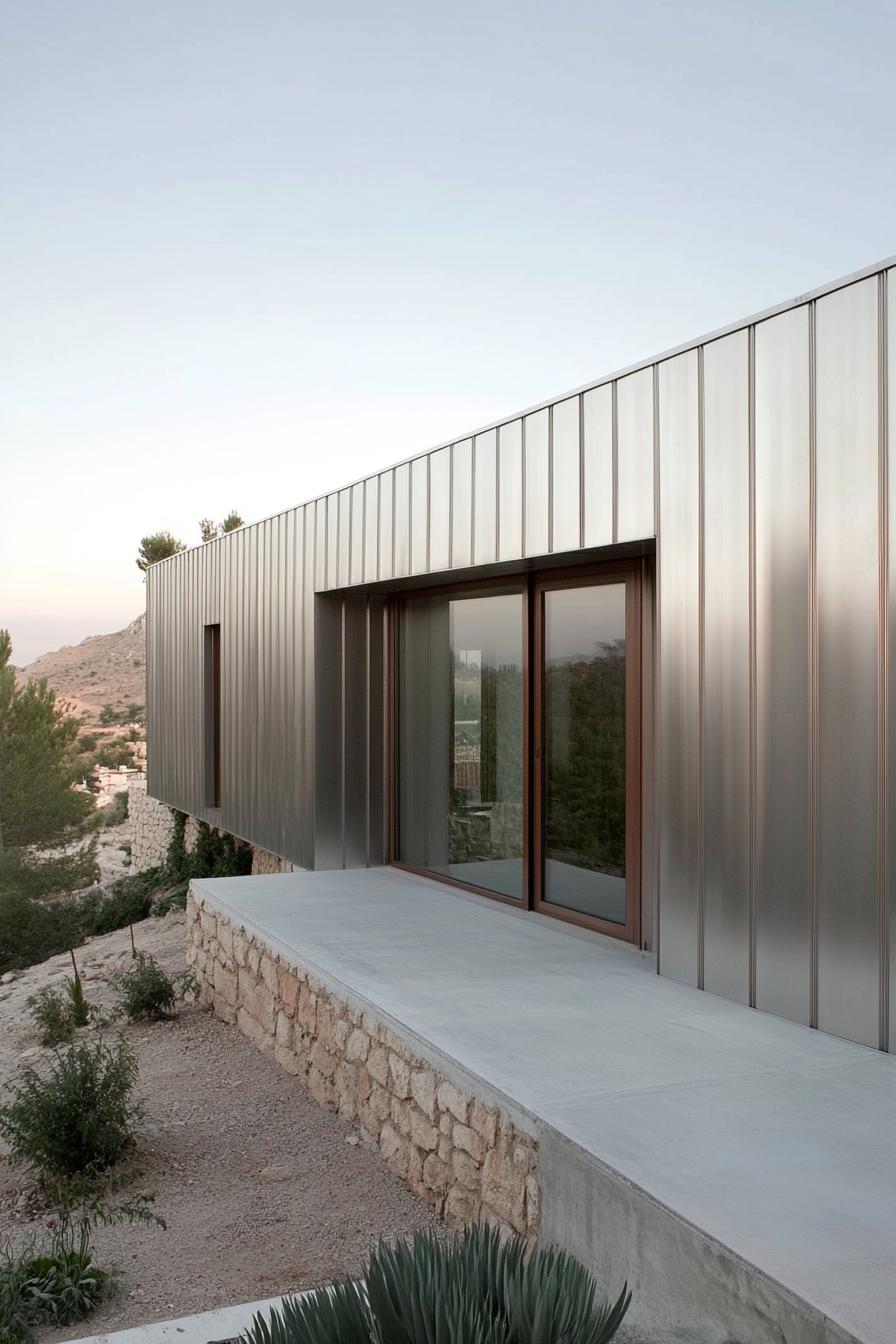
252, 253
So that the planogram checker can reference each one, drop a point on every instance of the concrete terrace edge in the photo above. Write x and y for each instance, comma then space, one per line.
202, 1328
688, 1286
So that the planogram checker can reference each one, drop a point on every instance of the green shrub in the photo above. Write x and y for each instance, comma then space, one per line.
78, 1117
33, 930
175, 898
474, 1288
128, 901
146, 991
59, 1011
117, 812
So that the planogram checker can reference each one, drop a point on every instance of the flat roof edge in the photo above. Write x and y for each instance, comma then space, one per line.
741, 324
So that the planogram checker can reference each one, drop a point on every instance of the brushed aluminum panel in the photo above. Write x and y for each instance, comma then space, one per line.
305, 675
634, 469
510, 490
320, 509
536, 456
782, 665
356, 547
889, 403
485, 498
597, 458
332, 570
378, 691
402, 512
371, 529
440, 513
726, 666
462, 503
420, 515
356, 781
345, 534
566, 490
386, 530
329, 767
847, 547
679, 653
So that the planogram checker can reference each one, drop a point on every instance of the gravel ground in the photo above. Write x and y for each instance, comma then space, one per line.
262, 1191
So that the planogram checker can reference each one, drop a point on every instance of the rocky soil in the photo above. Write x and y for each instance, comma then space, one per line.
262, 1191
101, 670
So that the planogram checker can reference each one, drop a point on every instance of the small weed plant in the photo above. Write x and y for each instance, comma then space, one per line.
78, 1117
59, 1012
148, 992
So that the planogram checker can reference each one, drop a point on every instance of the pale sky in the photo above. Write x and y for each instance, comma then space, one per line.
251, 249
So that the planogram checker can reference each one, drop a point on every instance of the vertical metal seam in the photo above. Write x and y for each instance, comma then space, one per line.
550, 480
883, 762
472, 559
428, 513
657, 651
813, 678
367, 727
701, 676
614, 455
351, 528
394, 475
523, 501
498, 493
451, 507
581, 419
752, 897
343, 712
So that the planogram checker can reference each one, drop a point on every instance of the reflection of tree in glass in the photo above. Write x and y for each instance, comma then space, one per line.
585, 760
488, 729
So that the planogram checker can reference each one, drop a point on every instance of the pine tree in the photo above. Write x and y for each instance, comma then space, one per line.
38, 806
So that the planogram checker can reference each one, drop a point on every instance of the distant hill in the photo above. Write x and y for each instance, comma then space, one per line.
101, 670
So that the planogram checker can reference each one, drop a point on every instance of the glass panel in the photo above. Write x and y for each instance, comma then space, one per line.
584, 749
460, 751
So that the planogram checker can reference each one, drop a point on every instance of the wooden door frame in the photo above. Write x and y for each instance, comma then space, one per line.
531, 585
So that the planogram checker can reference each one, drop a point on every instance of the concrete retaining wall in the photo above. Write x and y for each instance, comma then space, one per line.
465, 1158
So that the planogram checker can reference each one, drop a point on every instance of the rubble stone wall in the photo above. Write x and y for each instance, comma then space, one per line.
152, 826
465, 1158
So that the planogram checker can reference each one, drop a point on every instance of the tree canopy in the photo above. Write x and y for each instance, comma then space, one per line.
37, 762
157, 546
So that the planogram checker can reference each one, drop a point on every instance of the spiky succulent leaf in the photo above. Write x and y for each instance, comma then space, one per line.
334, 1315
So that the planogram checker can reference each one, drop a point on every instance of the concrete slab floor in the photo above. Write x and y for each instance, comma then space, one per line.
773, 1139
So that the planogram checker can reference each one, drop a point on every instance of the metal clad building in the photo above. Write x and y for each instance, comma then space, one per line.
748, 481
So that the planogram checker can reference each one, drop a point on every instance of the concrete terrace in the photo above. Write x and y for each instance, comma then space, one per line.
738, 1169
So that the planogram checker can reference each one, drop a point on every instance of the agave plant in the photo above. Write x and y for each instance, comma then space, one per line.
473, 1288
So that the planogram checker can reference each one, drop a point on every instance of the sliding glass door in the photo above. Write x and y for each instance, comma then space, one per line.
586, 748
460, 742
517, 751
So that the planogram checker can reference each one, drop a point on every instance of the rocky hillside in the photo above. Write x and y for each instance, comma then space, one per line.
101, 670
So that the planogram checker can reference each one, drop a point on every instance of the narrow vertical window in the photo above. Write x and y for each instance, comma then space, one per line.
212, 661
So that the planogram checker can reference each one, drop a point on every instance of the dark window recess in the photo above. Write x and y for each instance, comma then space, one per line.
212, 663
